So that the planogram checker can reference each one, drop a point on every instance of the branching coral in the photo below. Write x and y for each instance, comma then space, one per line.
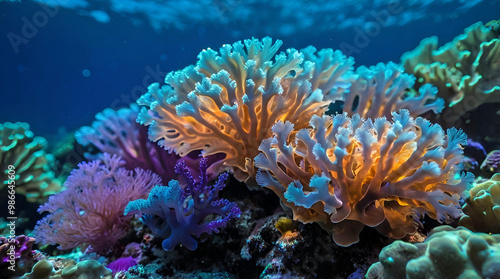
228, 101
384, 88
29, 162
482, 208
466, 71
89, 213
446, 253
181, 213
346, 173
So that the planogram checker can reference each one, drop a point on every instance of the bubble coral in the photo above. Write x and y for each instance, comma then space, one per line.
346, 173
228, 101
25, 153
89, 213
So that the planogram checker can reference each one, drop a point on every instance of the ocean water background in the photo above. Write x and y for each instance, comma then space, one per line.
61, 64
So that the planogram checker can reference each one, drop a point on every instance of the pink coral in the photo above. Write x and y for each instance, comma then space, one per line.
89, 213
345, 173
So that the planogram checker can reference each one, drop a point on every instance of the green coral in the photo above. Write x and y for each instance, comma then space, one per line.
88, 269
23, 155
466, 70
482, 208
446, 253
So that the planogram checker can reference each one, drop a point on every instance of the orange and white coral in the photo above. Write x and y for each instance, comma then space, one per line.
228, 102
381, 89
345, 173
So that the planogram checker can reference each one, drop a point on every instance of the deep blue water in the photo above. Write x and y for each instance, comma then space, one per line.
44, 82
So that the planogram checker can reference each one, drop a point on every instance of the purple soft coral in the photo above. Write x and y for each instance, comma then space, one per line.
90, 210
178, 214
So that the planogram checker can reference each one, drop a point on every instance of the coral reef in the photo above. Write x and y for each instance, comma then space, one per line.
482, 207
446, 253
345, 173
25, 164
179, 214
379, 90
89, 213
465, 70
228, 101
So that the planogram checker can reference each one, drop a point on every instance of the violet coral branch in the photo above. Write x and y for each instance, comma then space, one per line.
179, 214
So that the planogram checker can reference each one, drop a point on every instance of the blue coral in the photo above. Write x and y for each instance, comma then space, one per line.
179, 214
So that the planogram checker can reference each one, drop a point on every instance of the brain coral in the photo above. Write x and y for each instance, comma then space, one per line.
29, 162
228, 102
446, 253
345, 173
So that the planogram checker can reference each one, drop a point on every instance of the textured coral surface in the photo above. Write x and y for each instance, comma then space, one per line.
346, 173
446, 253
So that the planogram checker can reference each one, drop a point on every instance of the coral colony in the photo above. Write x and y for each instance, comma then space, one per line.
165, 178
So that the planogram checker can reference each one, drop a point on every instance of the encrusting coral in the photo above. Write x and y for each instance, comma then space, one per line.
89, 213
466, 70
379, 90
345, 173
446, 253
28, 161
228, 101
482, 208
88, 269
